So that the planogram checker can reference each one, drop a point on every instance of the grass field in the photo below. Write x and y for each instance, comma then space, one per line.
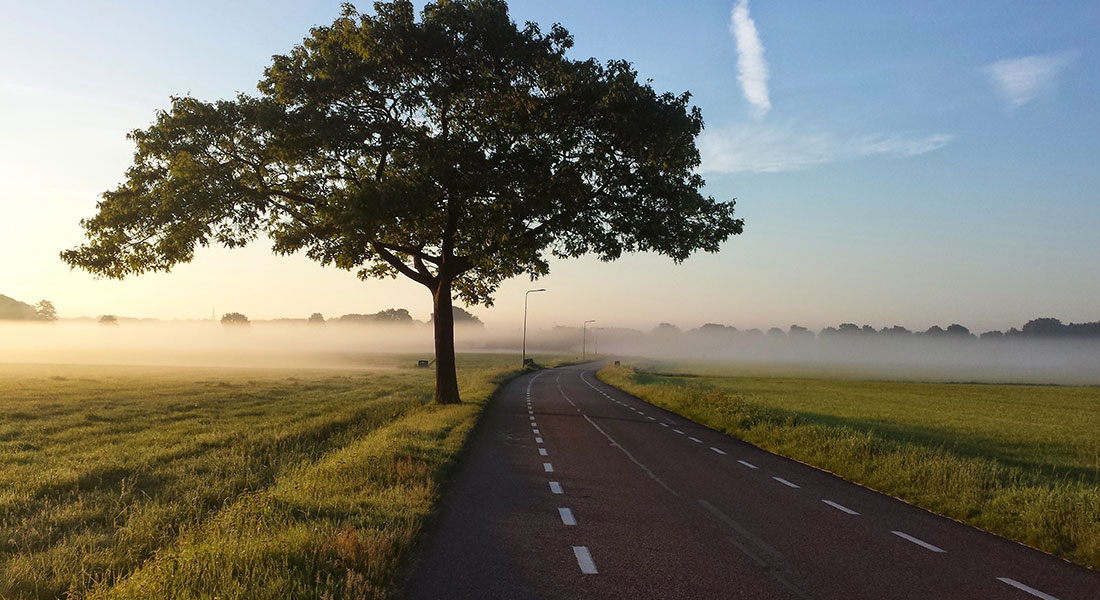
130, 482
1020, 461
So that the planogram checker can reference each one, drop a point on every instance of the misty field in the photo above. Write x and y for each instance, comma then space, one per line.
151, 482
1021, 461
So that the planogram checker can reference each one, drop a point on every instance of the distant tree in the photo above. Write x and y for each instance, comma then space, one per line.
46, 311
465, 318
800, 333
993, 335
754, 332
1084, 330
12, 309
935, 331
666, 330
451, 147
867, 330
897, 330
234, 318
713, 328
957, 330
1044, 327
849, 329
389, 316
316, 319
108, 320
776, 332
829, 332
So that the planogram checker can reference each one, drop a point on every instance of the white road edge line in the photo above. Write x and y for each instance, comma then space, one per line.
921, 543
748, 464
584, 560
1030, 590
717, 450
555, 487
840, 507
789, 484
548, 467
566, 516
542, 451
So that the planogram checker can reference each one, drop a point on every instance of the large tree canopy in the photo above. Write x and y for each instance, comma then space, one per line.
456, 149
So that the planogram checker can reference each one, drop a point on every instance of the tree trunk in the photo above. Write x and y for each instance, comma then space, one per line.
446, 378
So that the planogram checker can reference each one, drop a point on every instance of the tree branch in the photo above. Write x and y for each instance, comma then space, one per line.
404, 269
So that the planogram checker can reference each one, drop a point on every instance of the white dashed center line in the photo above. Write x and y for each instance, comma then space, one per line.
1028, 589
747, 464
678, 431
785, 482
538, 440
696, 440
840, 507
664, 424
584, 560
921, 543
567, 516
555, 487
533, 424
542, 451
651, 418
532, 418
549, 468
717, 450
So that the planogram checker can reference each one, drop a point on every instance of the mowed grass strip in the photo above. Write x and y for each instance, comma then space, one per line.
121, 482
1019, 461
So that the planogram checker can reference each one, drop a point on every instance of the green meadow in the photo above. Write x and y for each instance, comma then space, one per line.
150, 482
1021, 461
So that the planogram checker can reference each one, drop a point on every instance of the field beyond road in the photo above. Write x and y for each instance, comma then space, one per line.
156, 482
1017, 460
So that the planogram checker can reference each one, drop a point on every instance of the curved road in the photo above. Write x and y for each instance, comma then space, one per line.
574, 489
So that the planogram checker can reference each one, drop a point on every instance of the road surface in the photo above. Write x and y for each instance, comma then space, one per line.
574, 489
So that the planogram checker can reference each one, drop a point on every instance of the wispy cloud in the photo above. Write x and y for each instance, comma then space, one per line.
1021, 79
751, 66
760, 148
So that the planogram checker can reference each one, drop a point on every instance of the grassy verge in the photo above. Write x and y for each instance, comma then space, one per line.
203, 483
1019, 461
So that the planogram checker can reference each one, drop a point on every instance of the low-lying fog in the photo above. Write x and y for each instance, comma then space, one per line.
260, 344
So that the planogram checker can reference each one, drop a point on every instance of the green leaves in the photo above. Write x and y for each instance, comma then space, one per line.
454, 148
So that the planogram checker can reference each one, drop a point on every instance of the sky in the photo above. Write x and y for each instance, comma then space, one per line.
896, 162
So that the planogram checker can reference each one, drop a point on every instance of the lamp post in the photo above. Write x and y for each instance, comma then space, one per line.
584, 338
523, 355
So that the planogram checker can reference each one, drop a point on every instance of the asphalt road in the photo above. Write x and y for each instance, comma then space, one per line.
574, 489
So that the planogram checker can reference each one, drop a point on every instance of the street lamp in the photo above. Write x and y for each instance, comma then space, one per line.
523, 355
584, 337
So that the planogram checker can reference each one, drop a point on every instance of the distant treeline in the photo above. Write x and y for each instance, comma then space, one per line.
1041, 328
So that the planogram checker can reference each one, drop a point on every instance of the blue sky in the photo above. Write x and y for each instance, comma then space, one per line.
896, 162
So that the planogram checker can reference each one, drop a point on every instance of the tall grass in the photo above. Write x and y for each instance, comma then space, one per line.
203, 483
1019, 461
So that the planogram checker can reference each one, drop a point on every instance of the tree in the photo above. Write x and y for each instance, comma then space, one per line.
46, 311
797, 332
316, 319
108, 320
464, 318
234, 318
12, 309
455, 149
